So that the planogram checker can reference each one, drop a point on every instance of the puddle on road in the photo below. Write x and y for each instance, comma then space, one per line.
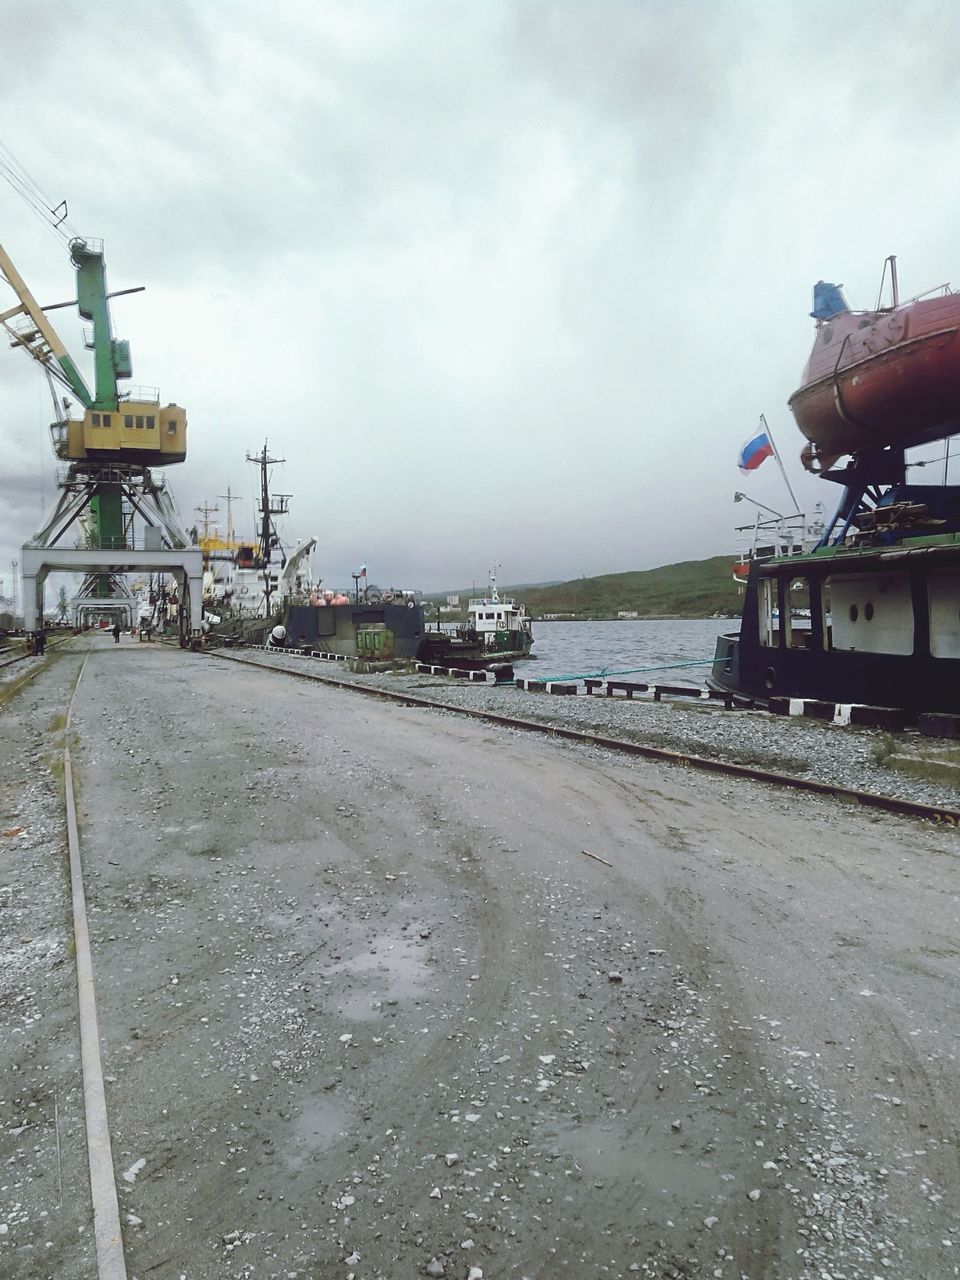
321, 1124
604, 1149
389, 969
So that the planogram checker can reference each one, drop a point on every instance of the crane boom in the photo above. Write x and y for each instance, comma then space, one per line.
111, 356
41, 341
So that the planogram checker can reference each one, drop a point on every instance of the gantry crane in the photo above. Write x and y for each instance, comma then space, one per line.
129, 517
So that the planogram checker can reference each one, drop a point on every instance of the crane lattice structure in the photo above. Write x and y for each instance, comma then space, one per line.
126, 516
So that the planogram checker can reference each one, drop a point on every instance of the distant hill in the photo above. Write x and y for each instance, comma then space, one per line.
692, 589
479, 588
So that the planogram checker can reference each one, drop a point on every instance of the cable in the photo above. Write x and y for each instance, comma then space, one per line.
29, 190
604, 673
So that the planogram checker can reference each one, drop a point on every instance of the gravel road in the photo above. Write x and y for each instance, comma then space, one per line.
370, 1008
845, 756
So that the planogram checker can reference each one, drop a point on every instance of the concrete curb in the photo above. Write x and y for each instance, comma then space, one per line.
893, 719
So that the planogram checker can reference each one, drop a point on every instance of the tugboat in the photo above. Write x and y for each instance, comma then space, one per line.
496, 631
870, 615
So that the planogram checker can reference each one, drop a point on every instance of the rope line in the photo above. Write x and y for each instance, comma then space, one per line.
605, 672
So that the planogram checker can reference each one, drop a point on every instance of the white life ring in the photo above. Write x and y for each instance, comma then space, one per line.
244, 590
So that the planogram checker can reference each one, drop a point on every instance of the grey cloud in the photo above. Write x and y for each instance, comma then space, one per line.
482, 273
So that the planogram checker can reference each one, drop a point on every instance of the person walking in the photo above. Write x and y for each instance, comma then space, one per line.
116, 633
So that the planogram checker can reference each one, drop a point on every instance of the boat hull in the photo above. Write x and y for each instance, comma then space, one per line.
442, 649
880, 379
882, 630
352, 630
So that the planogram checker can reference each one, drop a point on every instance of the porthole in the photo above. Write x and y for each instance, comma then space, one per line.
854, 613
868, 611
769, 678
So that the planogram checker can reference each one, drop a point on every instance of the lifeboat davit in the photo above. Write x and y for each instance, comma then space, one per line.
879, 378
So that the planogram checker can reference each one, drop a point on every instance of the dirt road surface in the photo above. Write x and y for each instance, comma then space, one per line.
369, 1008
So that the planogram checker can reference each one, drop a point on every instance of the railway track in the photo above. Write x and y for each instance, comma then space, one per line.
108, 1235
107, 1242
8, 659
941, 814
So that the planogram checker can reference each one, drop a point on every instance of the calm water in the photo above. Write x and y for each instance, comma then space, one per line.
580, 648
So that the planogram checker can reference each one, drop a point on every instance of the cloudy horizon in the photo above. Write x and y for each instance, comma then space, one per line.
504, 283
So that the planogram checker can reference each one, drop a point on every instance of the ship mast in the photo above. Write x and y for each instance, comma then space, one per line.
229, 498
269, 507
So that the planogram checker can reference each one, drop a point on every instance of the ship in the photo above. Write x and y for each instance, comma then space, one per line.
387, 629
871, 614
255, 592
496, 631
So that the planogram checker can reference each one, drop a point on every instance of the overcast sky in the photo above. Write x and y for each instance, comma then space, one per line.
502, 281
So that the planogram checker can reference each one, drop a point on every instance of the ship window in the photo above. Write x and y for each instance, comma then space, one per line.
128, 419
95, 419
171, 427
106, 419
151, 421
854, 613
868, 611
797, 621
140, 421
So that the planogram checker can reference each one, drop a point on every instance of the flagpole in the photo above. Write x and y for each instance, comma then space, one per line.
776, 454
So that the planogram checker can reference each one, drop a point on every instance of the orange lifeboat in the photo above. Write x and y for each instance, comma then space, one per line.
879, 378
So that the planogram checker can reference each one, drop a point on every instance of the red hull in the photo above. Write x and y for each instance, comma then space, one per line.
881, 378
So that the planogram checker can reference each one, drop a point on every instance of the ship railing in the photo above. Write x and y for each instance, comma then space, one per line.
791, 535
936, 291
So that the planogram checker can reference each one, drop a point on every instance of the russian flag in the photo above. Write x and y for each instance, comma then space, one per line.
755, 451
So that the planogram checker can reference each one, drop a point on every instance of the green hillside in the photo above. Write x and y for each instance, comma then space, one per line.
693, 589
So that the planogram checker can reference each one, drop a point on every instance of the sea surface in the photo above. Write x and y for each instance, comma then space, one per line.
636, 644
